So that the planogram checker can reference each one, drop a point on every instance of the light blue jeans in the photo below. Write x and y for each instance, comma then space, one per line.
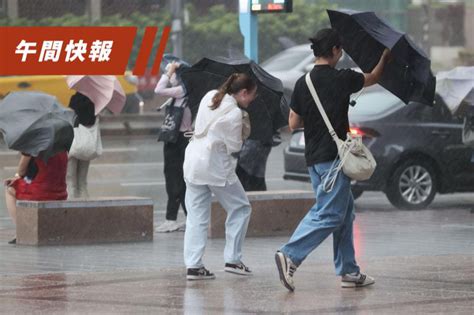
332, 213
198, 203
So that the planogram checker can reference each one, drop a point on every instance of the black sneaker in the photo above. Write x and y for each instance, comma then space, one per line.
13, 241
199, 274
286, 269
239, 269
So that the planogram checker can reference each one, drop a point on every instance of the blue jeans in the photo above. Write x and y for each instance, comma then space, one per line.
332, 213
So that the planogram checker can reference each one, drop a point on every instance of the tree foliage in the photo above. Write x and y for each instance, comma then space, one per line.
215, 33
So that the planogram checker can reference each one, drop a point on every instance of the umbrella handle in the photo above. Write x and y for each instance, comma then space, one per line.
354, 100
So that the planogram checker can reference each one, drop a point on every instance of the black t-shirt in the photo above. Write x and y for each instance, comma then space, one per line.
334, 88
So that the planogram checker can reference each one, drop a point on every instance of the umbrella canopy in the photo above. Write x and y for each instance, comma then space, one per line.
365, 36
36, 124
456, 87
102, 90
265, 111
168, 58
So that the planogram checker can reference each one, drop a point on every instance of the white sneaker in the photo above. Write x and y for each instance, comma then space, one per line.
286, 269
168, 226
239, 269
182, 227
356, 280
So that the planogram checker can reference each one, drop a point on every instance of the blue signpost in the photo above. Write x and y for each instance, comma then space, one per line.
249, 29
248, 21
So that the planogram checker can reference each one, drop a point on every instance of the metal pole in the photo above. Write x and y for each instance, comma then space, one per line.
12, 9
94, 8
176, 7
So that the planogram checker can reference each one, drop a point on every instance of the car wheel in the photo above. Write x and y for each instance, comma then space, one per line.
412, 185
356, 192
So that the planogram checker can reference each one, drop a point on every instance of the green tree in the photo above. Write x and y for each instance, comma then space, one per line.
214, 33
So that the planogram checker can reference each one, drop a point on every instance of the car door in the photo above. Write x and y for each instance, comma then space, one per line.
456, 158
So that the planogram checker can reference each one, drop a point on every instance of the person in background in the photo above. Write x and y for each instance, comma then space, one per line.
36, 180
78, 166
252, 163
209, 168
169, 86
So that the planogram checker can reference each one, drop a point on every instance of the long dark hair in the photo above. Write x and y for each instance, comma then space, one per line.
84, 109
323, 42
234, 84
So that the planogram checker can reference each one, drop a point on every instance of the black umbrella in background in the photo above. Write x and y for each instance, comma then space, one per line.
36, 124
365, 36
266, 111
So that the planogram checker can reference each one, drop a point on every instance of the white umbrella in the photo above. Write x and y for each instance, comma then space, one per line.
456, 87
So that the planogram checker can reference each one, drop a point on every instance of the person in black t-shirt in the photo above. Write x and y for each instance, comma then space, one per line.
333, 212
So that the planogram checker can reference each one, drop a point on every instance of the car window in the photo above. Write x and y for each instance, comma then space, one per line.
375, 103
438, 112
286, 60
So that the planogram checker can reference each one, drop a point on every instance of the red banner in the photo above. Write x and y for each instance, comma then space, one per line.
70, 50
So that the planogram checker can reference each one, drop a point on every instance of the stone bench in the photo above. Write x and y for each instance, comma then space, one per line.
274, 213
80, 221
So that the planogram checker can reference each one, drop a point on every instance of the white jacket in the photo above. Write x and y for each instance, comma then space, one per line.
208, 160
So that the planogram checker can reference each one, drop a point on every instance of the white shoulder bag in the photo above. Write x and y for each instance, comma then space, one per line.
355, 159
87, 143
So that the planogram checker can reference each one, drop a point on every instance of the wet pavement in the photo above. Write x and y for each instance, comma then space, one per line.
422, 260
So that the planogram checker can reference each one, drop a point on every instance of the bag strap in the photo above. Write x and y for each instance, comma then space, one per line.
221, 114
320, 106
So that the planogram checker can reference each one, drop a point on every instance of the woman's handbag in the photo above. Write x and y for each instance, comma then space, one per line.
355, 158
246, 128
87, 143
169, 131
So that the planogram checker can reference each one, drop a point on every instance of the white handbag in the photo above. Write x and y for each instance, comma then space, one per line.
355, 159
87, 143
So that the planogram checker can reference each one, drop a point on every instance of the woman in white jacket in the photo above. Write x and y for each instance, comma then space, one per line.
209, 168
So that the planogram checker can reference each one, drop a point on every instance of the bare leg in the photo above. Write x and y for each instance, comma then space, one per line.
82, 171
72, 187
10, 198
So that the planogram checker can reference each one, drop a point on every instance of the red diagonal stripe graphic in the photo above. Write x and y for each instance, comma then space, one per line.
145, 50
161, 50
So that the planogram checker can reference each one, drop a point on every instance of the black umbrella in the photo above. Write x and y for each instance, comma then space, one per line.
266, 111
365, 36
36, 124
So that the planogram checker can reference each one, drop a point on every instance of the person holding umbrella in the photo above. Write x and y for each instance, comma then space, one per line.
87, 134
333, 212
177, 122
209, 168
42, 130
36, 180
93, 94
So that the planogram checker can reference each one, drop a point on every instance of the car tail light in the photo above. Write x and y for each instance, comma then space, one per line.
364, 132
356, 131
